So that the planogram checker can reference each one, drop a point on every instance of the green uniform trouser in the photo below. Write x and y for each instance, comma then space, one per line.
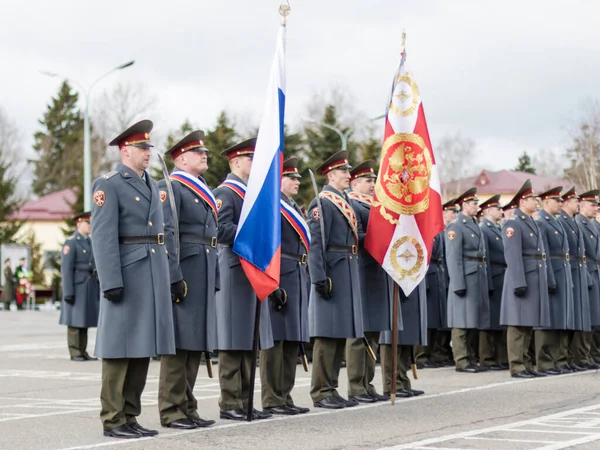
403, 365
564, 343
234, 378
462, 347
547, 343
360, 366
595, 348
327, 360
518, 340
178, 374
439, 341
77, 339
581, 346
123, 381
492, 348
278, 373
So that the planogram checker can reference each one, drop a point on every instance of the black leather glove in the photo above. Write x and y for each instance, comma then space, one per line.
490, 292
178, 291
70, 300
278, 298
521, 291
461, 292
324, 288
552, 289
114, 295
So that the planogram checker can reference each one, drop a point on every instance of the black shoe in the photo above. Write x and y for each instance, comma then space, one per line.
379, 398
404, 393
552, 372
469, 369
330, 403
577, 368
593, 366
416, 392
535, 373
89, 358
143, 431
431, 365
259, 415
494, 367
363, 398
566, 369
385, 397
79, 358
523, 374
449, 363
282, 410
123, 432
298, 409
349, 403
233, 414
156, 358
202, 423
181, 424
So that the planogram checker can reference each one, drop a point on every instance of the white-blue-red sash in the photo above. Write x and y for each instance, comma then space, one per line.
235, 186
297, 222
199, 188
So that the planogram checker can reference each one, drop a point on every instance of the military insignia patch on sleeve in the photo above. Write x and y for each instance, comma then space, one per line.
451, 235
99, 198
163, 196
510, 232
66, 250
219, 204
316, 214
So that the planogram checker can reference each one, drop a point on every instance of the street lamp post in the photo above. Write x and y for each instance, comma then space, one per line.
87, 153
342, 136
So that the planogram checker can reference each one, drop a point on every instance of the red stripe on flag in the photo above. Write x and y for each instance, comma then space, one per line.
263, 283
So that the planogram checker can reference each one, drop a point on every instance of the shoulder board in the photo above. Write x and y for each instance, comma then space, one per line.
110, 174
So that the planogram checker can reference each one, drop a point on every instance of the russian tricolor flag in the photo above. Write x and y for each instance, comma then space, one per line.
258, 238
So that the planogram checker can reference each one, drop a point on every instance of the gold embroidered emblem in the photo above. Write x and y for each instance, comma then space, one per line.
316, 214
451, 235
405, 99
99, 198
510, 232
163, 196
407, 257
219, 204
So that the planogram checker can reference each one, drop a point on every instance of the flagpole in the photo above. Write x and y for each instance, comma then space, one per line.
394, 343
254, 358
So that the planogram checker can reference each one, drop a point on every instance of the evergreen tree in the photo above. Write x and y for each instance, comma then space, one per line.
60, 145
218, 139
524, 164
370, 149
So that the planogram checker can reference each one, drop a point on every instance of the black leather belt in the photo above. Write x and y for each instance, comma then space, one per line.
474, 258
90, 271
300, 258
343, 248
188, 239
581, 259
593, 260
564, 257
541, 257
504, 266
154, 239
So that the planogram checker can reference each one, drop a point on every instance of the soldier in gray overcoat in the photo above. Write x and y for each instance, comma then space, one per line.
335, 308
81, 290
288, 305
414, 317
571, 344
525, 303
468, 301
376, 293
9, 285
136, 317
560, 285
236, 301
591, 239
193, 269
492, 340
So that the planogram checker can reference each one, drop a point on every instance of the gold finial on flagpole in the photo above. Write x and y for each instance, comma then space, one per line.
403, 40
284, 11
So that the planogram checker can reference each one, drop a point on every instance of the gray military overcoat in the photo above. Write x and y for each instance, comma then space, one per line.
236, 301
437, 286
79, 280
579, 273
376, 285
194, 317
492, 235
291, 322
141, 324
465, 254
591, 240
414, 318
559, 272
340, 316
526, 267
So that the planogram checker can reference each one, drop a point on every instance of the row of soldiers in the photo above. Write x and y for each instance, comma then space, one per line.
529, 288
168, 282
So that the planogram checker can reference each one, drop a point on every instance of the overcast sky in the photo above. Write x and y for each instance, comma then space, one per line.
510, 75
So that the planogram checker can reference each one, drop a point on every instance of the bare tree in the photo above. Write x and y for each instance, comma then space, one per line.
585, 147
549, 163
454, 156
11, 148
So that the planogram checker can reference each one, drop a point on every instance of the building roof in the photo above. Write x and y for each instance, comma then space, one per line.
51, 207
503, 182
